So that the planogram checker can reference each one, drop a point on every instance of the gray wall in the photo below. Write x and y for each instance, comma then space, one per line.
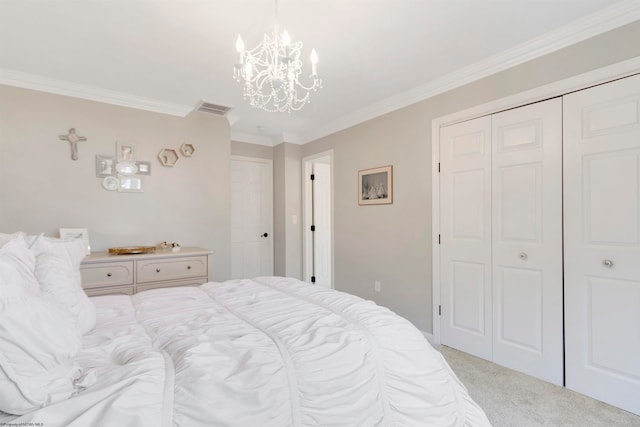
287, 202
42, 189
392, 243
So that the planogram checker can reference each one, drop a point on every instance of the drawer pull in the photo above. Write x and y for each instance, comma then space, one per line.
188, 267
157, 270
109, 274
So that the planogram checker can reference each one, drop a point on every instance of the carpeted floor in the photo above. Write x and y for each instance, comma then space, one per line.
512, 399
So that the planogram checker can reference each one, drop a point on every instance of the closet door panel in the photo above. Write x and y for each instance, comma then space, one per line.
527, 239
465, 256
602, 242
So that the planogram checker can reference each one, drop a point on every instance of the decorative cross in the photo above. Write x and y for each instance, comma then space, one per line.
73, 139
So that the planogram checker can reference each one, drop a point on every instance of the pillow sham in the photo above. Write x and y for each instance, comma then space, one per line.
7, 237
17, 264
39, 343
57, 271
63, 283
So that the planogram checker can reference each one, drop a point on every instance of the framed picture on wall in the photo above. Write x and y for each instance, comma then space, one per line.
375, 186
130, 184
144, 168
105, 166
125, 152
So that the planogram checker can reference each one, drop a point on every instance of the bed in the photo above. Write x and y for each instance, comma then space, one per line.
268, 351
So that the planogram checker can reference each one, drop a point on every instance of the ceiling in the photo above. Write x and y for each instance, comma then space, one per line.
375, 55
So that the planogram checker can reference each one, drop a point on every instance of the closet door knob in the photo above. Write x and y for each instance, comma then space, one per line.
108, 274
607, 263
523, 256
157, 270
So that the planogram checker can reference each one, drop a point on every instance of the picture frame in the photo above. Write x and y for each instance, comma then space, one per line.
76, 233
375, 186
105, 166
125, 152
144, 168
129, 184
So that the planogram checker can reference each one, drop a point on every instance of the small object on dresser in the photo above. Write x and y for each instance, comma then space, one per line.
129, 250
175, 247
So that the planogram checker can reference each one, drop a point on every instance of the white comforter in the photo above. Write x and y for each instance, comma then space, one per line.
257, 353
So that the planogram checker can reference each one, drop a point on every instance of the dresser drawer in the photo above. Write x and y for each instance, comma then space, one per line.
171, 269
111, 274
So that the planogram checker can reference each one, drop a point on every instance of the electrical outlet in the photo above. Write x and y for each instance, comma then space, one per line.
376, 286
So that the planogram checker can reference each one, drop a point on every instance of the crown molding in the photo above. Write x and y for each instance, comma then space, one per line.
60, 87
232, 119
607, 19
270, 141
292, 138
252, 138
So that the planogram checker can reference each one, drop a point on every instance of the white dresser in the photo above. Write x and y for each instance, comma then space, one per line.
103, 273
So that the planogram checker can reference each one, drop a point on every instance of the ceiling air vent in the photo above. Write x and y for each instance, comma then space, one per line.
211, 108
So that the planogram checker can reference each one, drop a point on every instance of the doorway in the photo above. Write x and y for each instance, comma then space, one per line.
251, 217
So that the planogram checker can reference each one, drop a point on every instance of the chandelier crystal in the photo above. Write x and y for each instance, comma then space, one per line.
270, 73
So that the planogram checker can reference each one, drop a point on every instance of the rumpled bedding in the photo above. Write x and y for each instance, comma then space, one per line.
264, 352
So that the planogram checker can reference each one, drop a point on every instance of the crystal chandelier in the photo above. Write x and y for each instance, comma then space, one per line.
270, 73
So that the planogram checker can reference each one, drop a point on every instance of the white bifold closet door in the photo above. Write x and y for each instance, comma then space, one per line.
465, 237
602, 242
527, 240
501, 238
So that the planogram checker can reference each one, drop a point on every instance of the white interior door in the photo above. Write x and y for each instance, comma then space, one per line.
318, 212
527, 239
322, 222
465, 227
251, 218
602, 242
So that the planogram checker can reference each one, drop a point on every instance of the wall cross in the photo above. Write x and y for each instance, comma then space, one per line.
73, 139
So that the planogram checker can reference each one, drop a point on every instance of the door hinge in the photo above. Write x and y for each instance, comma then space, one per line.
438, 167
313, 228
313, 177
439, 310
313, 279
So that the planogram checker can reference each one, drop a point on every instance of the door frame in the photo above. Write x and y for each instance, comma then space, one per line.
541, 93
306, 196
269, 163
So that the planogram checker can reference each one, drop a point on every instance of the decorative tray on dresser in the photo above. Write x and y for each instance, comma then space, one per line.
103, 273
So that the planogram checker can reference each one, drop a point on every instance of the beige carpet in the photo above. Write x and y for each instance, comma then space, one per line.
512, 399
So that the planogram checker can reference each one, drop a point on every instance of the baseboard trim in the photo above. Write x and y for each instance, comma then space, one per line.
429, 338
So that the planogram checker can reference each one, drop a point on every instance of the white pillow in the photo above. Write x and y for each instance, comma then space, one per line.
39, 342
5, 238
58, 273
62, 283
17, 265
